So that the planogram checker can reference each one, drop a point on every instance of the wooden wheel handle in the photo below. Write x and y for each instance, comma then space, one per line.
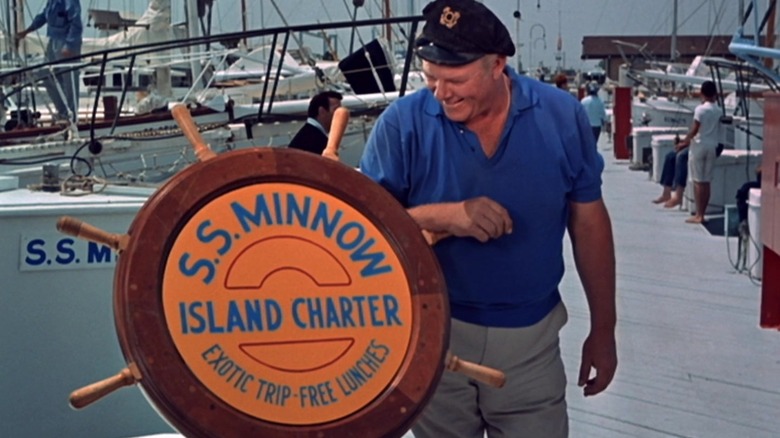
337, 128
183, 118
480, 373
78, 228
91, 393
433, 237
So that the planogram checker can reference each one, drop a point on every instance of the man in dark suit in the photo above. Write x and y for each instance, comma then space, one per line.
313, 135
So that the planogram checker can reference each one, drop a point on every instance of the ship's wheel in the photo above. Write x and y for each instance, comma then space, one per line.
271, 292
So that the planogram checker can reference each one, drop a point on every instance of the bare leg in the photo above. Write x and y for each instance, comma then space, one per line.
676, 198
665, 195
701, 192
705, 199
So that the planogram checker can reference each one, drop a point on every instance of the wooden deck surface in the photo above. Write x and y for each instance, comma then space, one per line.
693, 361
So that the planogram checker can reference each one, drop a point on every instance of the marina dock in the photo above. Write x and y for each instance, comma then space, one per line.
693, 361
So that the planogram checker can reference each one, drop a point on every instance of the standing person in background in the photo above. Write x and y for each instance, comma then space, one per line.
594, 107
313, 135
561, 81
64, 30
703, 139
503, 166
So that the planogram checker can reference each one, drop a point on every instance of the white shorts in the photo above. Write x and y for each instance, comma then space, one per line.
701, 162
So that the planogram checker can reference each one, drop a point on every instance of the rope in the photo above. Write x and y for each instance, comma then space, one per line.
77, 185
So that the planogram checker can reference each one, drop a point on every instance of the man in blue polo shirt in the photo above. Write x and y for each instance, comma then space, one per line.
64, 30
497, 167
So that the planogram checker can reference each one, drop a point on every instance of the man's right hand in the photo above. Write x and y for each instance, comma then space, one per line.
481, 218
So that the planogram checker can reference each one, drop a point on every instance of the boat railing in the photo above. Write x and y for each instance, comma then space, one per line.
751, 48
126, 59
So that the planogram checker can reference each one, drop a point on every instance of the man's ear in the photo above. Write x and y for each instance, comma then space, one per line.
499, 63
321, 111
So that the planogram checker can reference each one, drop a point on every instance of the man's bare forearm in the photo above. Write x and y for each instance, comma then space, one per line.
432, 217
594, 254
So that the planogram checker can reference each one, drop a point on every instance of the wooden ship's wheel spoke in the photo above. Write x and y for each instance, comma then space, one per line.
78, 228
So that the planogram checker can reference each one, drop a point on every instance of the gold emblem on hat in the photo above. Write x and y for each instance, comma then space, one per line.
449, 17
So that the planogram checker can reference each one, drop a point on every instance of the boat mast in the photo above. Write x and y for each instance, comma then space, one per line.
193, 31
15, 20
518, 45
19, 16
388, 27
357, 4
243, 19
559, 45
162, 73
673, 56
770, 34
741, 12
9, 44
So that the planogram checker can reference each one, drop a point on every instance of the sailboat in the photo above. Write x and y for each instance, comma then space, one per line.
740, 84
110, 128
265, 106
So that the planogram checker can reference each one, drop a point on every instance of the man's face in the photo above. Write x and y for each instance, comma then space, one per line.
460, 89
326, 116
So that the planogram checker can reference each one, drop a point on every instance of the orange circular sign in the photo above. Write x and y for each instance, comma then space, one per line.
287, 303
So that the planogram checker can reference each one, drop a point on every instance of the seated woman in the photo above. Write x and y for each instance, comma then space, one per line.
673, 177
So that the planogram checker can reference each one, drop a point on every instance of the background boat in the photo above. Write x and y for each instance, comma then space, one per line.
240, 97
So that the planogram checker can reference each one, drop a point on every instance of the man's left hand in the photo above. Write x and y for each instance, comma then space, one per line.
67, 53
599, 352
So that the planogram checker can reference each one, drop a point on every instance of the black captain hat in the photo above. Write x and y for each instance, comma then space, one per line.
457, 32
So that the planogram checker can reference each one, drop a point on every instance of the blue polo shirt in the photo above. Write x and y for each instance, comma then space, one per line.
546, 158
